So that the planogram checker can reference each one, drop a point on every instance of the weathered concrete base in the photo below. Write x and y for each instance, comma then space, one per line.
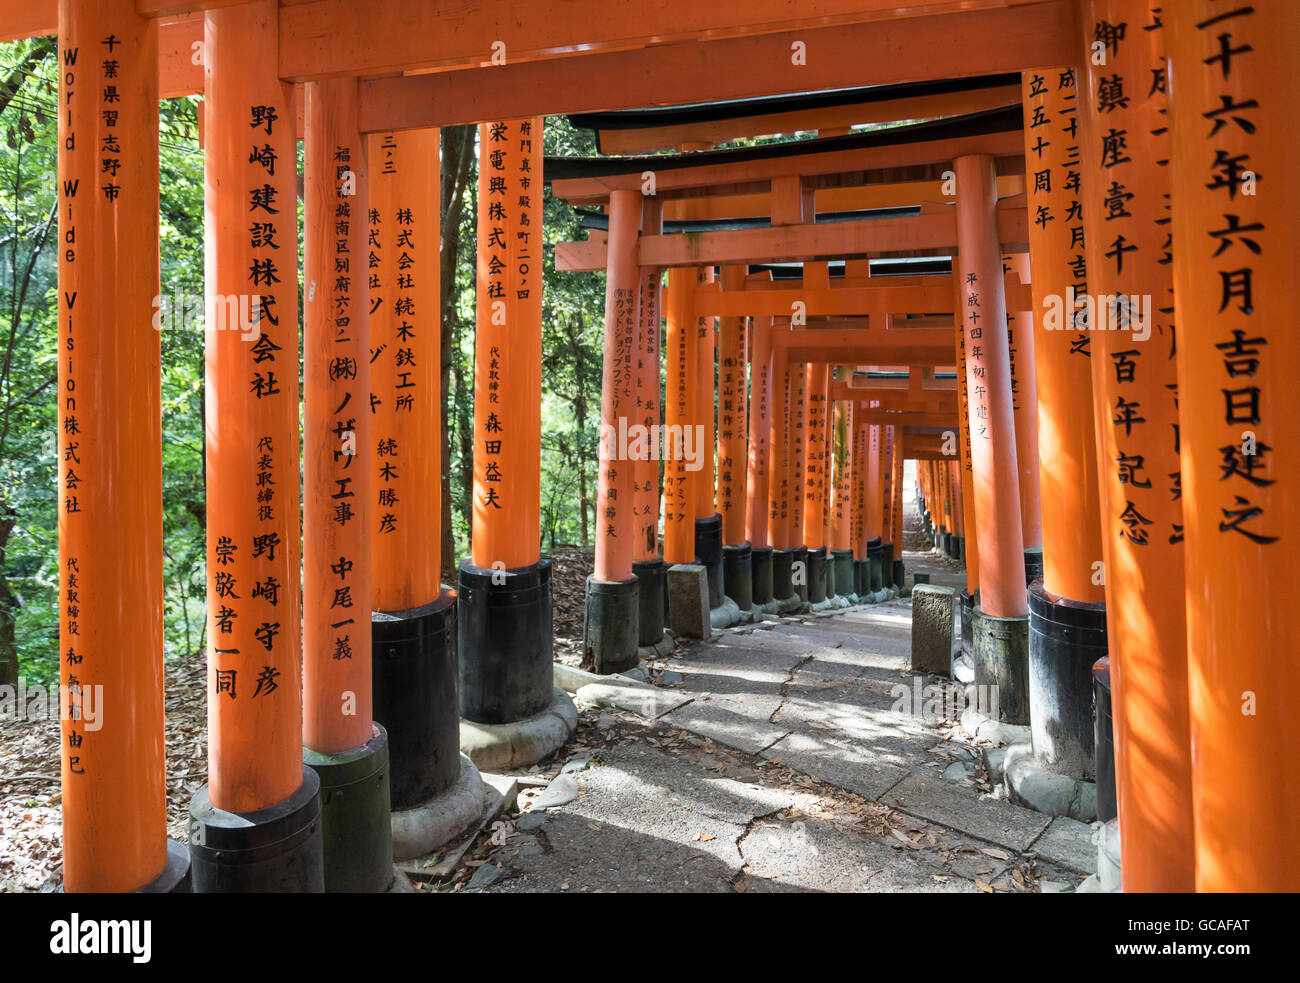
934, 612
688, 601
623, 691
1109, 875
790, 605
825, 605
1001, 660
1031, 785
746, 615
659, 650
421, 829
768, 609
725, 614
502, 747
985, 728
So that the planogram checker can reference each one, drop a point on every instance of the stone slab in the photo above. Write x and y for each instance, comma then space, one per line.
986, 819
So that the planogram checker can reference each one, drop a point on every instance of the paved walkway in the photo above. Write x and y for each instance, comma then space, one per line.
775, 758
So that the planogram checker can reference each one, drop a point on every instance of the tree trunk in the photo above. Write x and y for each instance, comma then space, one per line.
8, 603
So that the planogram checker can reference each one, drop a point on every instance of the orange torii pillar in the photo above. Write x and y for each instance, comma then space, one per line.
1235, 95
1001, 620
511, 712
413, 620
842, 508
970, 554
1126, 188
759, 479
858, 482
610, 626
256, 827
647, 562
687, 580
874, 506
1024, 406
816, 384
708, 521
780, 528
341, 741
110, 458
896, 516
1067, 613
795, 469
887, 492
737, 557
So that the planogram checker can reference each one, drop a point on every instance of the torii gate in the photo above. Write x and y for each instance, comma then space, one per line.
1234, 514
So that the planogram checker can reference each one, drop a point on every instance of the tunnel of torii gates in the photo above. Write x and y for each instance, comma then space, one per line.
832, 308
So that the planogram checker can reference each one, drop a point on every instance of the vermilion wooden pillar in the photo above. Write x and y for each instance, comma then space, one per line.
680, 370
1024, 405
610, 628
842, 506
780, 517
814, 484
110, 455
798, 428
887, 492
1067, 616
647, 563
1136, 395
970, 544
737, 574
1001, 619
708, 522
896, 519
873, 505
504, 600
1234, 95
342, 742
757, 493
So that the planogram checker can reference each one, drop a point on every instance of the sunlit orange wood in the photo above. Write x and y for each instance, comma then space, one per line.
679, 405
841, 509
1237, 343
757, 494
1024, 399
405, 345
508, 347
704, 392
815, 483
338, 453
798, 426
109, 453
732, 418
780, 529
1067, 446
647, 398
253, 498
992, 426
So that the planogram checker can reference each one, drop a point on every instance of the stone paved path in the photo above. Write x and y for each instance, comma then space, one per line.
778, 762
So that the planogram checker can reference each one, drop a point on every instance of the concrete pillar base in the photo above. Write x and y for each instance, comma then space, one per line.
610, 627
276, 850
900, 578
959, 547
1104, 742
708, 553
422, 828
817, 563
1033, 786
175, 876
725, 614
760, 566
650, 601
688, 601
1002, 664
977, 722
356, 830
887, 565
876, 566
738, 575
519, 743
782, 575
1066, 638
659, 650
842, 560
799, 573
934, 612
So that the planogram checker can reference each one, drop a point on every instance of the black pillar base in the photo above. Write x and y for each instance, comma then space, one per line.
1002, 666
843, 561
1066, 638
887, 565
862, 578
175, 876
505, 642
958, 547
816, 576
782, 585
967, 624
876, 561
945, 543
414, 669
651, 578
1034, 565
1104, 741
356, 816
609, 630
738, 575
275, 850
708, 553
900, 576
799, 573
760, 565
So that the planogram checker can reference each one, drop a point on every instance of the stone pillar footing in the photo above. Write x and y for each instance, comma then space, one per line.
276, 850
708, 553
1033, 786
651, 604
519, 743
421, 828
738, 575
609, 627
934, 614
175, 876
505, 641
357, 840
1002, 664
782, 574
760, 565
817, 562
